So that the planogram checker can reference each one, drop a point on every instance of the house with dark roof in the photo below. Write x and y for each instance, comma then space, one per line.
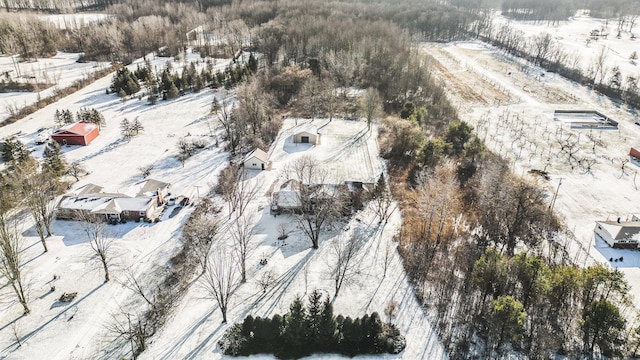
79, 133
619, 234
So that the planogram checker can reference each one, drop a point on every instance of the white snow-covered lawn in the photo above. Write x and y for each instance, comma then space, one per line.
572, 36
60, 70
77, 330
196, 327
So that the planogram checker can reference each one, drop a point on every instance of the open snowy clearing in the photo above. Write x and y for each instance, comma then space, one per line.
77, 330
349, 152
60, 70
523, 130
572, 36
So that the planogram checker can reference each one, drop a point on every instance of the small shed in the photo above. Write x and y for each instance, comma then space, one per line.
306, 137
79, 133
257, 159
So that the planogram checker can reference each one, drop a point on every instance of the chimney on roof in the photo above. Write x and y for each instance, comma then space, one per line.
161, 199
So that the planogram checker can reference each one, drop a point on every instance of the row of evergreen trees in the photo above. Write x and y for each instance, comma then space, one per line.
88, 115
169, 84
309, 329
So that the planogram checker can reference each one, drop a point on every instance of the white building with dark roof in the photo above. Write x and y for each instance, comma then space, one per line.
619, 234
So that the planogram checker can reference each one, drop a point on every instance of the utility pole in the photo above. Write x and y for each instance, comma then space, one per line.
553, 201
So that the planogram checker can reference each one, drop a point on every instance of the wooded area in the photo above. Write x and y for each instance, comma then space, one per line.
479, 243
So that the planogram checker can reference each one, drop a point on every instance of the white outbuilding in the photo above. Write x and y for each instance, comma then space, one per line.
257, 159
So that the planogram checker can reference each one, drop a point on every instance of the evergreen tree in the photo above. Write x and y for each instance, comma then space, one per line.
457, 135
8, 150
603, 325
54, 159
327, 328
173, 92
252, 64
295, 331
57, 118
373, 334
153, 95
15, 154
248, 326
313, 318
124, 81
125, 128
507, 318
67, 116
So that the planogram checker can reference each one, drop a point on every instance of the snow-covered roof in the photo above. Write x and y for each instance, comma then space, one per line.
88, 189
147, 187
258, 154
109, 207
625, 230
133, 204
83, 202
288, 199
78, 128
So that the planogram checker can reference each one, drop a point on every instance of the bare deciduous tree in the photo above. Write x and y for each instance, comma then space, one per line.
266, 280
237, 190
320, 204
346, 266
241, 231
371, 104
382, 200
76, 170
11, 264
220, 281
200, 233
95, 229
391, 309
38, 190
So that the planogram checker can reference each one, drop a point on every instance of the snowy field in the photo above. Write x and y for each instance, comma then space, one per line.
77, 330
512, 109
572, 35
60, 70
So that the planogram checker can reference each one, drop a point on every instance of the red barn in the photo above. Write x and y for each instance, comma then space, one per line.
80, 133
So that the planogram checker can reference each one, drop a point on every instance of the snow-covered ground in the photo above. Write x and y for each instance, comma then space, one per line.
512, 109
572, 36
77, 330
60, 70
300, 269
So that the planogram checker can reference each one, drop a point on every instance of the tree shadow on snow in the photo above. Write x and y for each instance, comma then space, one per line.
70, 305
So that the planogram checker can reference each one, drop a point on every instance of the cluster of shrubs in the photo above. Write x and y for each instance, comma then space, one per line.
312, 329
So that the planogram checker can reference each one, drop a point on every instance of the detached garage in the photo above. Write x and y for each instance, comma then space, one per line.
257, 159
305, 137
80, 133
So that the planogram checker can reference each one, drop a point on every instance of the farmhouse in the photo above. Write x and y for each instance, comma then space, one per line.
90, 199
80, 133
257, 159
307, 137
619, 234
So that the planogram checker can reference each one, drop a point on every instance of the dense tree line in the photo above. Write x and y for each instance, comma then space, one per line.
309, 329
